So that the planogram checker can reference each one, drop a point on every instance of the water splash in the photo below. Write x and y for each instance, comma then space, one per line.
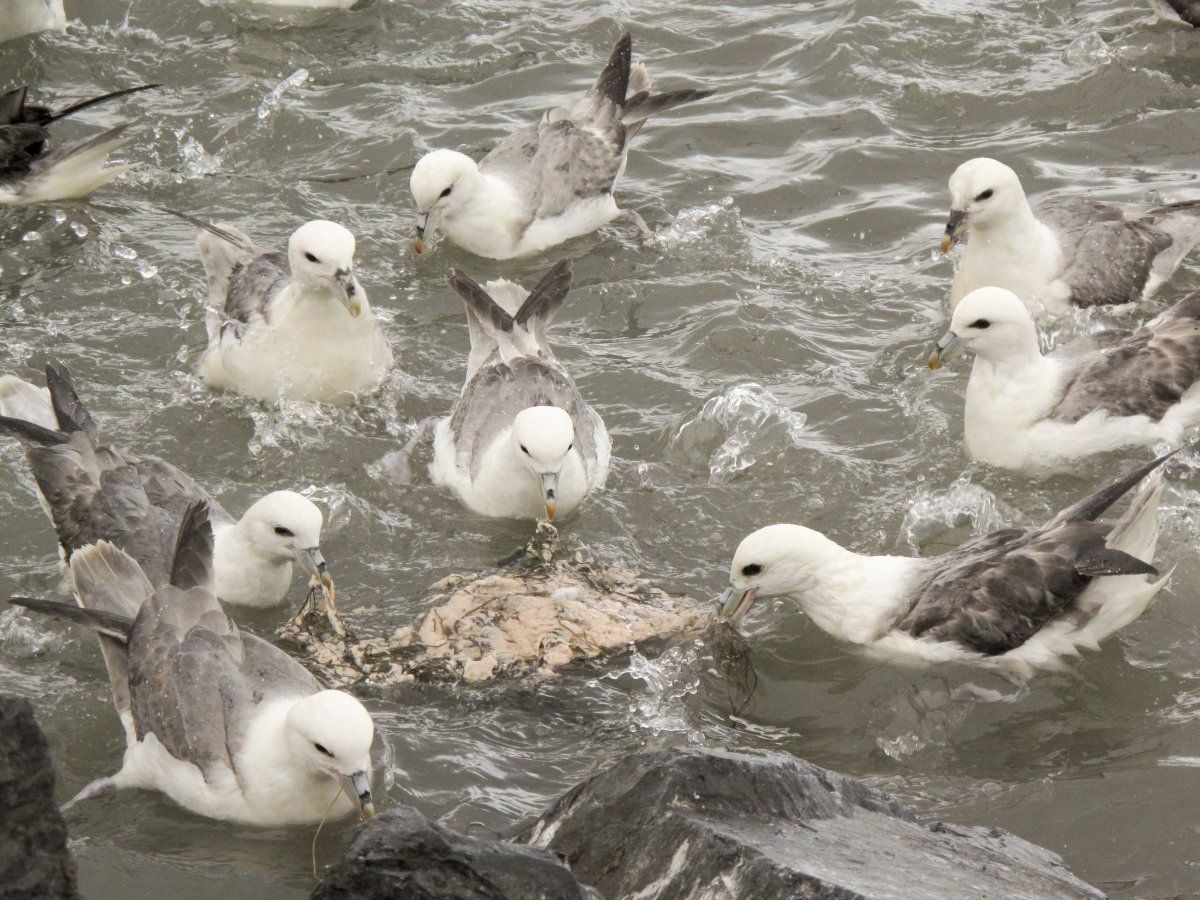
699, 225
271, 101
734, 430
964, 504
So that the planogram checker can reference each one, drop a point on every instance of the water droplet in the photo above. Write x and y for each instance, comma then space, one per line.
120, 251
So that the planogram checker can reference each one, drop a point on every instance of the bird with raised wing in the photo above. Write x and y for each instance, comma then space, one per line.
294, 326
92, 492
31, 171
548, 182
1019, 598
521, 441
1106, 391
1065, 252
224, 723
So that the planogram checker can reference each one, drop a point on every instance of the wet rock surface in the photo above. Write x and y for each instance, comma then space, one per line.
689, 823
399, 854
34, 862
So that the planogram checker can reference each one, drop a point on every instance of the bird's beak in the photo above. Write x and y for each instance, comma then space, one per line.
550, 493
955, 226
312, 562
349, 287
735, 603
946, 347
427, 225
358, 786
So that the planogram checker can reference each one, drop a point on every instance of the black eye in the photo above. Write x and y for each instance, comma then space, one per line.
569, 446
321, 749
752, 569
446, 192
984, 195
524, 449
981, 324
283, 532
310, 257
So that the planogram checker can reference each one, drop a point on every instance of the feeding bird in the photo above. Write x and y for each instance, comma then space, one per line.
294, 327
1107, 391
19, 18
548, 182
221, 721
521, 441
31, 171
1018, 598
1066, 251
92, 492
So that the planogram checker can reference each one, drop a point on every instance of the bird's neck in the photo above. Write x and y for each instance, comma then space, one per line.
849, 595
1004, 399
319, 305
274, 783
244, 574
485, 220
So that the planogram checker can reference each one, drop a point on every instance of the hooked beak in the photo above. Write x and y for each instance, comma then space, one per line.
735, 603
358, 786
345, 281
312, 562
550, 493
956, 225
946, 347
427, 224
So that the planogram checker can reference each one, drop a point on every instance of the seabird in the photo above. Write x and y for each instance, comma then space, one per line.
92, 492
31, 172
545, 183
1107, 391
224, 723
294, 327
521, 441
19, 18
1069, 251
1018, 598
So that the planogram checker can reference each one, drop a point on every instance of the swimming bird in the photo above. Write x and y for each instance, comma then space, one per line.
1018, 598
32, 172
224, 723
19, 18
1107, 391
93, 491
549, 182
521, 441
295, 327
1068, 251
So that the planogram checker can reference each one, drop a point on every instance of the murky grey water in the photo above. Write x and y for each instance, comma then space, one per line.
796, 215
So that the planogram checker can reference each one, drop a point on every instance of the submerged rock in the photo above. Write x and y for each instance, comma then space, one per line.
34, 862
399, 854
689, 823
540, 613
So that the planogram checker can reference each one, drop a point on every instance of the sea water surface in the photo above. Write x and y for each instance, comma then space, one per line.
760, 359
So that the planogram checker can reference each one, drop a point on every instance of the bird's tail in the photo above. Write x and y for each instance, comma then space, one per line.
642, 106
109, 625
44, 417
1092, 507
613, 83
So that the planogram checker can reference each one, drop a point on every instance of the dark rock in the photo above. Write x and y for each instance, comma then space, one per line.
705, 823
399, 854
34, 862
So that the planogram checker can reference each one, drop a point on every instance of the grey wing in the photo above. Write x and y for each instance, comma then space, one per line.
173, 491
491, 400
1107, 257
993, 594
251, 287
570, 155
185, 679
1147, 373
99, 495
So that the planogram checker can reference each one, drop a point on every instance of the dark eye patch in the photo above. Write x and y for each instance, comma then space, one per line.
981, 324
751, 570
446, 192
310, 257
524, 449
320, 748
984, 195
284, 532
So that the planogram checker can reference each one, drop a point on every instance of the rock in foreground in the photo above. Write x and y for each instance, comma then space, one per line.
706, 823
399, 854
34, 862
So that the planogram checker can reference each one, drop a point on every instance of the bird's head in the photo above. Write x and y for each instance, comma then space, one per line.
774, 561
991, 322
542, 437
330, 733
437, 184
286, 527
321, 255
982, 191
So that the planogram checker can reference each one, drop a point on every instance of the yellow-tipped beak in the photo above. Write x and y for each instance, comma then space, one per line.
946, 347
956, 225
